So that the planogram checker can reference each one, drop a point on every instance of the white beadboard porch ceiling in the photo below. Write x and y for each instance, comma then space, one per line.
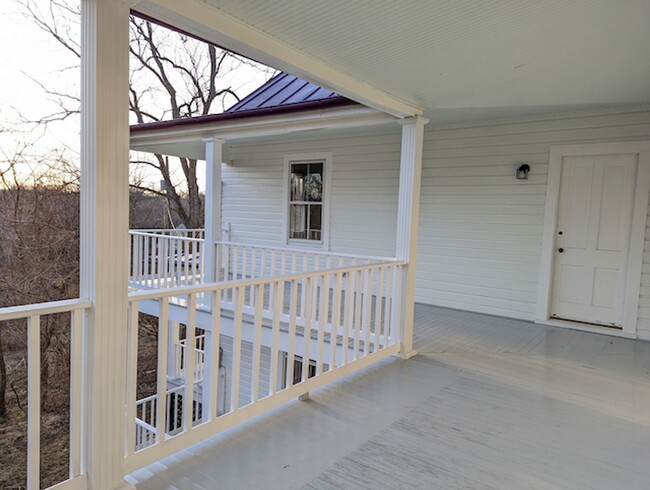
485, 57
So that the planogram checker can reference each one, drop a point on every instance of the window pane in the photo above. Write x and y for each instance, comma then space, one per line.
314, 183
298, 221
299, 173
315, 213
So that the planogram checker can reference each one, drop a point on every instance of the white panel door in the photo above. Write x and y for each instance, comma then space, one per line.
592, 238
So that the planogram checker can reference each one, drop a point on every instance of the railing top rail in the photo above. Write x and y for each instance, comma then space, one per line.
146, 399
162, 235
168, 230
49, 308
220, 286
145, 425
308, 251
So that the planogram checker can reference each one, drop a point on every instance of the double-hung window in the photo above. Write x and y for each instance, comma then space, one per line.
307, 206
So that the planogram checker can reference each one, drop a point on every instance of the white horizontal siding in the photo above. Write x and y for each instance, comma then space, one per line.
480, 229
643, 326
246, 370
363, 207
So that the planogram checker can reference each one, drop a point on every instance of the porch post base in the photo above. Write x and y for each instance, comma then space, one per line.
407, 354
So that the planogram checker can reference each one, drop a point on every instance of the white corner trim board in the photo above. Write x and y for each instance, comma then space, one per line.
632, 267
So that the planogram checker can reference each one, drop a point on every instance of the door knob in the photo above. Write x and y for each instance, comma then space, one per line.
560, 250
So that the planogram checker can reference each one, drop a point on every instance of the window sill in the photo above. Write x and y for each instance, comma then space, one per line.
306, 244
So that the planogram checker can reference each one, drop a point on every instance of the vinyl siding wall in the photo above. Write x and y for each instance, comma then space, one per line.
480, 229
363, 207
643, 327
246, 370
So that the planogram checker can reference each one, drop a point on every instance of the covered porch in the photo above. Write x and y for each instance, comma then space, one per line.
488, 403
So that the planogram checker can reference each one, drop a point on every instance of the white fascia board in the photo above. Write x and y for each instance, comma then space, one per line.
189, 141
213, 25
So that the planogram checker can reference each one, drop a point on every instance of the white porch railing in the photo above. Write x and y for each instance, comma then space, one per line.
33, 315
199, 354
146, 412
339, 320
166, 258
175, 258
245, 261
176, 232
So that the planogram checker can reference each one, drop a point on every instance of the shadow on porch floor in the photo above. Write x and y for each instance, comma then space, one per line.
488, 403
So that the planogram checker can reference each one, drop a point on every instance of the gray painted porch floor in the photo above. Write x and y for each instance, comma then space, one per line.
488, 403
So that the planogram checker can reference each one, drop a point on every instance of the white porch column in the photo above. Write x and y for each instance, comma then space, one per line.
212, 205
408, 213
104, 234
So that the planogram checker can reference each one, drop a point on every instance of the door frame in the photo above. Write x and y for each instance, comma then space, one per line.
637, 235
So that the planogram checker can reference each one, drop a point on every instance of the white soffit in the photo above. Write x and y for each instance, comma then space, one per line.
459, 54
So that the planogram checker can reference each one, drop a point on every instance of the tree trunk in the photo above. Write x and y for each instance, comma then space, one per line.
195, 208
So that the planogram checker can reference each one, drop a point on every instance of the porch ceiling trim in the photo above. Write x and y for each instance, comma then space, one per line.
188, 140
213, 25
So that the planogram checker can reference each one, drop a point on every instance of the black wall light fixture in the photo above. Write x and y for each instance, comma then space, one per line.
522, 171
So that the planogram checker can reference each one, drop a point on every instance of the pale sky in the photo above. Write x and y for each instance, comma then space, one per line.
26, 53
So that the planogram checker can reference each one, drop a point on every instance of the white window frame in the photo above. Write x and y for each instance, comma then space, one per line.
326, 159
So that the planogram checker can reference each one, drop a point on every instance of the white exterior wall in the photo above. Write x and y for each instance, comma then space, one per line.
363, 208
480, 229
246, 370
643, 326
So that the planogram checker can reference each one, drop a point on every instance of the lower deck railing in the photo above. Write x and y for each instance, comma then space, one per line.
176, 258
70, 312
166, 258
286, 336
146, 412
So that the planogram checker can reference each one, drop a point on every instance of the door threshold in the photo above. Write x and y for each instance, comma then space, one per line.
582, 322
587, 327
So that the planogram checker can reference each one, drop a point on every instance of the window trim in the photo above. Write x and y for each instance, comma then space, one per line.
326, 159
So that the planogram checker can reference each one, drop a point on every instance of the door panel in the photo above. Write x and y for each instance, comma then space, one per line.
578, 194
592, 238
605, 287
612, 209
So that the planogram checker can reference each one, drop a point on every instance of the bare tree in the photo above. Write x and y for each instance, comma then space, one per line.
173, 75
39, 251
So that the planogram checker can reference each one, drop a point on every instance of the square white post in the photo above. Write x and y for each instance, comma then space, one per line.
408, 214
212, 206
104, 244
213, 159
